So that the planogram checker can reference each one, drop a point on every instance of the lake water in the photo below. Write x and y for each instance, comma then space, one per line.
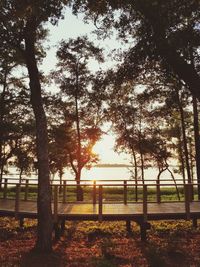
109, 173
116, 173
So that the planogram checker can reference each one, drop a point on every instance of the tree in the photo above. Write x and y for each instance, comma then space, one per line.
128, 121
77, 86
15, 120
21, 27
24, 153
162, 39
58, 148
135, 119
6, 107
153, 24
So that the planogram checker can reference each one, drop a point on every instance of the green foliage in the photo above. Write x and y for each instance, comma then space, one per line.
109, 194
82, 116
164, 52
16, 122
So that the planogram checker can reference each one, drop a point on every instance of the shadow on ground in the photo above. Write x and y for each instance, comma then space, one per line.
33, 259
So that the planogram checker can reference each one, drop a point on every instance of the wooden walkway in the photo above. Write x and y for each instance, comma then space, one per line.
110, 211
98, 209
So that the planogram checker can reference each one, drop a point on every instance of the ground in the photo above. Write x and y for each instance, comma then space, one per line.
93, 244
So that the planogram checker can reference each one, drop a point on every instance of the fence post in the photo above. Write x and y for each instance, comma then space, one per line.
26, 190
145, 203
158, 191
125, 192
144, 224
64, 191
17, 200
191, 192
5, 188
100, 202
136, 190
55, 203
187, 200
94, 192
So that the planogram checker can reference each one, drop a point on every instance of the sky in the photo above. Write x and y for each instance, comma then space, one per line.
72, 27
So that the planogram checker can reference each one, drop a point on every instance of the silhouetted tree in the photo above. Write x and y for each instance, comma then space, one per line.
76, 83
21, 24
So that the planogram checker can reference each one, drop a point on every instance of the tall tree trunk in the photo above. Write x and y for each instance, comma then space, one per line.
45, 223
191, 160
196, 126
60, 178
79, 195
79, 192
20, 175
79, 163
184, 137
141, 156
2, 113
140, 147
1, 174
197, 141
185, 145
136, 173
3, 163
135, 164
141, 161
177, 191
142, 166
182, 161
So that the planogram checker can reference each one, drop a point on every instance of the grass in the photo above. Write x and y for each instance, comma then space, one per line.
109, 193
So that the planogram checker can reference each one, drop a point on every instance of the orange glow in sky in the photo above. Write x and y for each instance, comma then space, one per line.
105, 149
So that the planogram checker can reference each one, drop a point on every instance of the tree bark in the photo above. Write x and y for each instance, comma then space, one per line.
196, 127
2, 113
197, 141
182, 161
177, 191
1, 174
184, 138
192, 160
45, 223
79, 195
20, 175
141, 160
60, 177
141, 152
79, 192
135, 164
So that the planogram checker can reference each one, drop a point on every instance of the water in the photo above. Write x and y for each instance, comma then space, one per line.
118, 173
109, 173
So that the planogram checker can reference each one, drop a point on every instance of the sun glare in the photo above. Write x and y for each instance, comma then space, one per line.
105, 150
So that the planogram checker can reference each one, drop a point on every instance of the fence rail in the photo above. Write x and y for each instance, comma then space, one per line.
97, 189
18, 195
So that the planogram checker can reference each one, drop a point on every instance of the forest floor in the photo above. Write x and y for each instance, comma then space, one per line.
106, 244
